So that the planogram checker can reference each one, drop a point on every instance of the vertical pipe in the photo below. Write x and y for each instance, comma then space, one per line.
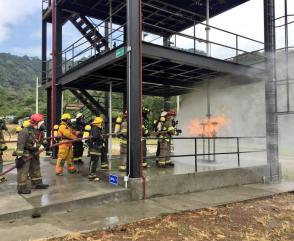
110, 126
178, 104
194, 35
196, 155
237, 48
207, 28
110, 24
37, 95
270, 91
53, 70
287, 54
238, 151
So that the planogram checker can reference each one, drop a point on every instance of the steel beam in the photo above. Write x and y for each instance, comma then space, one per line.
185, 58
134, 87
57, 62
48, 112
270, 91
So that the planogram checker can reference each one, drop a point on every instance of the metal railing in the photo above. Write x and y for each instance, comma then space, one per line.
236, 51
209, 148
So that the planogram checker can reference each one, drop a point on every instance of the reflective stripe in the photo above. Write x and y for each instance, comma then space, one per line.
36, 178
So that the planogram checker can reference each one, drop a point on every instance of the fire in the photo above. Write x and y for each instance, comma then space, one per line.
207, 127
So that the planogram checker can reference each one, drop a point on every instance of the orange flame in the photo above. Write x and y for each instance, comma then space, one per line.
207, 127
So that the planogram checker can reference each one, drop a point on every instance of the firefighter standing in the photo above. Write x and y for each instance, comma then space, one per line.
3, 147
96, 142
78, 147
166, 131
145, 133
65, 151
157, 127
121, 130
28, 143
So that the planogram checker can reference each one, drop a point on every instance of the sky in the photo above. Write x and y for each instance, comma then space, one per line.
20, 26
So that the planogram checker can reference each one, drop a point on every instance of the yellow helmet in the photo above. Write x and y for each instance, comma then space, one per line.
18, 129
66, 116
26, 123
119, 120
87, 128
98, 120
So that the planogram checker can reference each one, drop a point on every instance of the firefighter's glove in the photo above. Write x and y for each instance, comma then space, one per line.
179, 131
19, 162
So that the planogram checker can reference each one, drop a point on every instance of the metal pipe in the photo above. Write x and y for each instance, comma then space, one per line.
53, 69
207, 28
110, 126
37, 95
110, 24
287, 53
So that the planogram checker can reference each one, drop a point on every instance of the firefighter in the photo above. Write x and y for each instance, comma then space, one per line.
28, 143
3, 147
166, 131
65, 151
121, 130
145, 133
78, 147
95, 143
157, 127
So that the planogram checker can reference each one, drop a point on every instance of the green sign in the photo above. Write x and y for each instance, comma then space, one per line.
120, 52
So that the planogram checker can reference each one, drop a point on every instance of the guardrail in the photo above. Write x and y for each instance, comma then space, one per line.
209, 144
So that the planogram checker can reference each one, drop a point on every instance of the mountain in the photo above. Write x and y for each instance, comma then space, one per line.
17, 85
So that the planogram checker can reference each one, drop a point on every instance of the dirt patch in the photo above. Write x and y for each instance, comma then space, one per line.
258, 220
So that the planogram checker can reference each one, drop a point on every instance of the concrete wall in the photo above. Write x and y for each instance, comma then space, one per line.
193, 182
242, 102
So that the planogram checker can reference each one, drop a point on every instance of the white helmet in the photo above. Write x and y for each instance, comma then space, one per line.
79, 115
163, 114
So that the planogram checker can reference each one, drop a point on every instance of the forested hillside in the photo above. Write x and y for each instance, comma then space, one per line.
17, 85
17, 89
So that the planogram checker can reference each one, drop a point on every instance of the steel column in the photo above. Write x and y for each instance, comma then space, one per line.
48, 113
270, 90
57, 62
134, 87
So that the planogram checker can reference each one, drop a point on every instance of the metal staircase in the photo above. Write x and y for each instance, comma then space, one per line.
88, 30
89, 102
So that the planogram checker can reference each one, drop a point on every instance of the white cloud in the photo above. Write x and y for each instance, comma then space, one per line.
32, 51
13, 12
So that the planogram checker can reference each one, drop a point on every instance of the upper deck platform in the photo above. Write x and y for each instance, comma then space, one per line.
157, 14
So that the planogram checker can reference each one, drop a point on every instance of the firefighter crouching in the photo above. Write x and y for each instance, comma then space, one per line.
3, 147
78, 147
166, 131
121, 130
65, 151
95, 143
28, 143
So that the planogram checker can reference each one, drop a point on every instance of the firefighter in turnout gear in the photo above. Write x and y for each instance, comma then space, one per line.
121, 130
3, 147
65, 151
165, 132
145, 133
28, 143
78, 147
157, 126
95, 143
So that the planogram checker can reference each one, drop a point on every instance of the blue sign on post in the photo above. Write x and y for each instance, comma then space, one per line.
113, 179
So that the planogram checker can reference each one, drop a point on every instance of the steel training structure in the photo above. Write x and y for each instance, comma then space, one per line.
134, 47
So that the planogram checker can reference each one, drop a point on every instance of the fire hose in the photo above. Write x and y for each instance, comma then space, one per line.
51, 147
42, 150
